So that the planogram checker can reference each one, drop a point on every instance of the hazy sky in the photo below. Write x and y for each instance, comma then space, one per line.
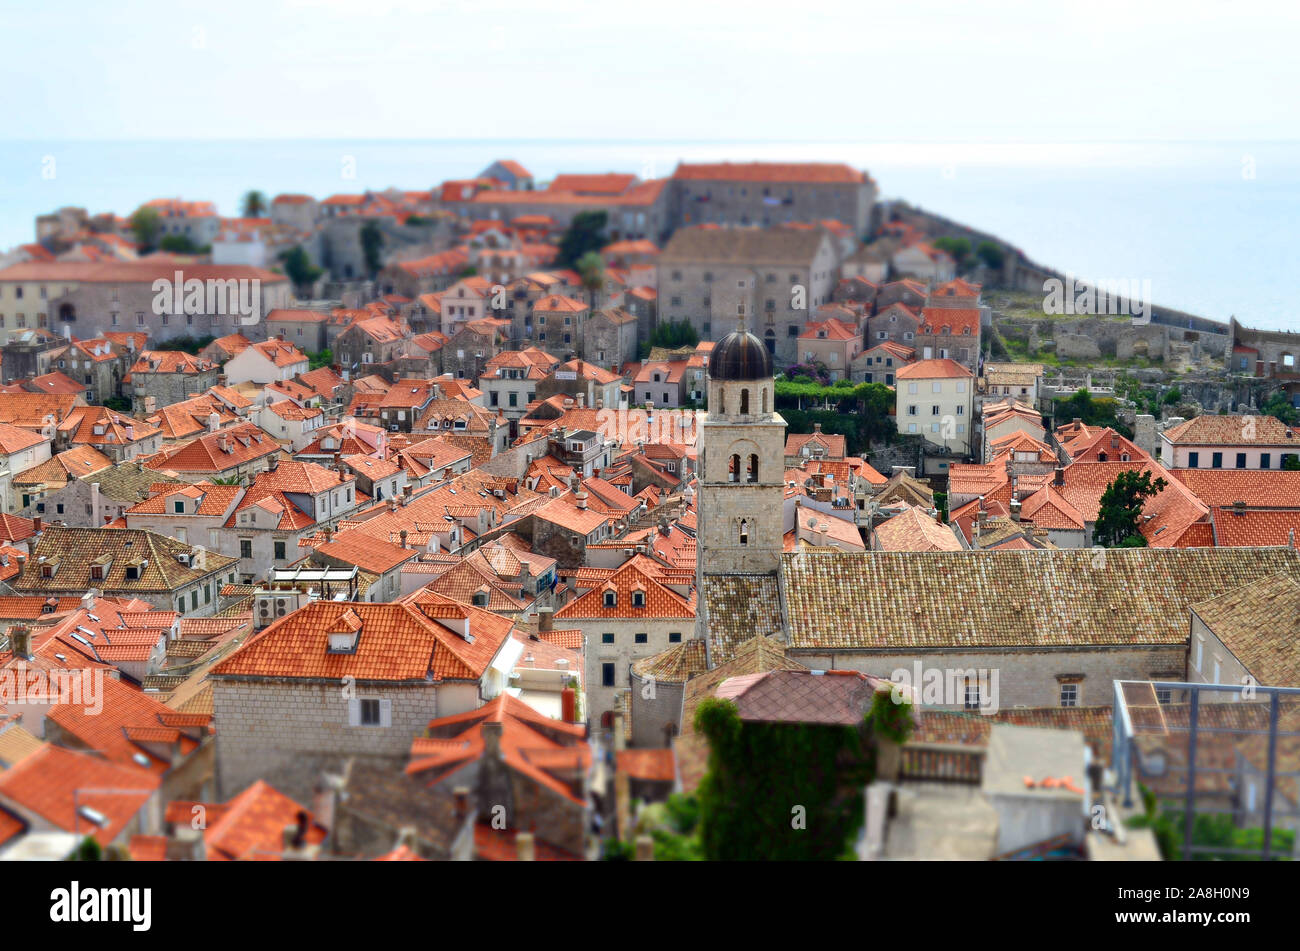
909, 70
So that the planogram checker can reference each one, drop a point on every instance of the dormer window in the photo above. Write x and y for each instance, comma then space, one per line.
611, 599
638, 599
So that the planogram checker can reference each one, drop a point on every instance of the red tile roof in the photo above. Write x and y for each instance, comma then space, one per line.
248, 827
217, 452
932, 369
63, 787
661, 602
549, 752
404, 642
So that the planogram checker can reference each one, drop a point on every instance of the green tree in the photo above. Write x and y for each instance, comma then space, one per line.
991, 254
88, 850
956, 248
372, 243
146, 223
591, 268
1290, 462
1094, 412
671, 335
179, 244
322, 359
1121, 509
1278, 405
186, 343
779, 791
585, 233
299, 268
254, 204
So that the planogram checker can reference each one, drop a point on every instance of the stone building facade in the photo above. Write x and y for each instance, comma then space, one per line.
765, 194
771, 278
287, 733
93, 298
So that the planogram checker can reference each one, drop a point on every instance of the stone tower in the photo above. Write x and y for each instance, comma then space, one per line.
741, 463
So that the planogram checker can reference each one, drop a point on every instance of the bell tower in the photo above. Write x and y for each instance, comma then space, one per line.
741, 464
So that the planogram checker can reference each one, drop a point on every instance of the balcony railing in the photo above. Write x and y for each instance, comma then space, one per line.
941, 763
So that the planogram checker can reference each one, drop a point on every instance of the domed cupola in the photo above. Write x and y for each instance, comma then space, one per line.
740, 356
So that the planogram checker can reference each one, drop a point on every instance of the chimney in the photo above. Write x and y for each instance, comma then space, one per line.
817, 428
36, 524
620, 741
402, 535
460, 795
214, 422
1015, 510
581, 498
545, 619
88, 600
569, 705
20, 641
1239, 507
1058, 477
295, 836
524, 847
492, 738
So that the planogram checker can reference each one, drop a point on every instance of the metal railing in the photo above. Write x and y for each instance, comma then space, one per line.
1206, 749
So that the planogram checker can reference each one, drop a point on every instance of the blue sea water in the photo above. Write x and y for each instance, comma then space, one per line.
1212, 226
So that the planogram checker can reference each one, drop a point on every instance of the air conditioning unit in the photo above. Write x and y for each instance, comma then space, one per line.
270, 606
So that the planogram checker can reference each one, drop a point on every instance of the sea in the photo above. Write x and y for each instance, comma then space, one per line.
1213, 226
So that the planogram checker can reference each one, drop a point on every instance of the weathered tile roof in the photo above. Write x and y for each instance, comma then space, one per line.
801, 696
1260, 624
973, 728
676, 665
739, 607
914, 529
891, 601
1233, 431
61, 467
77, 549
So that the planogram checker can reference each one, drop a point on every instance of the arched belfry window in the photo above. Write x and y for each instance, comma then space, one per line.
752, 474
744, 402
744, 531
733, 468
